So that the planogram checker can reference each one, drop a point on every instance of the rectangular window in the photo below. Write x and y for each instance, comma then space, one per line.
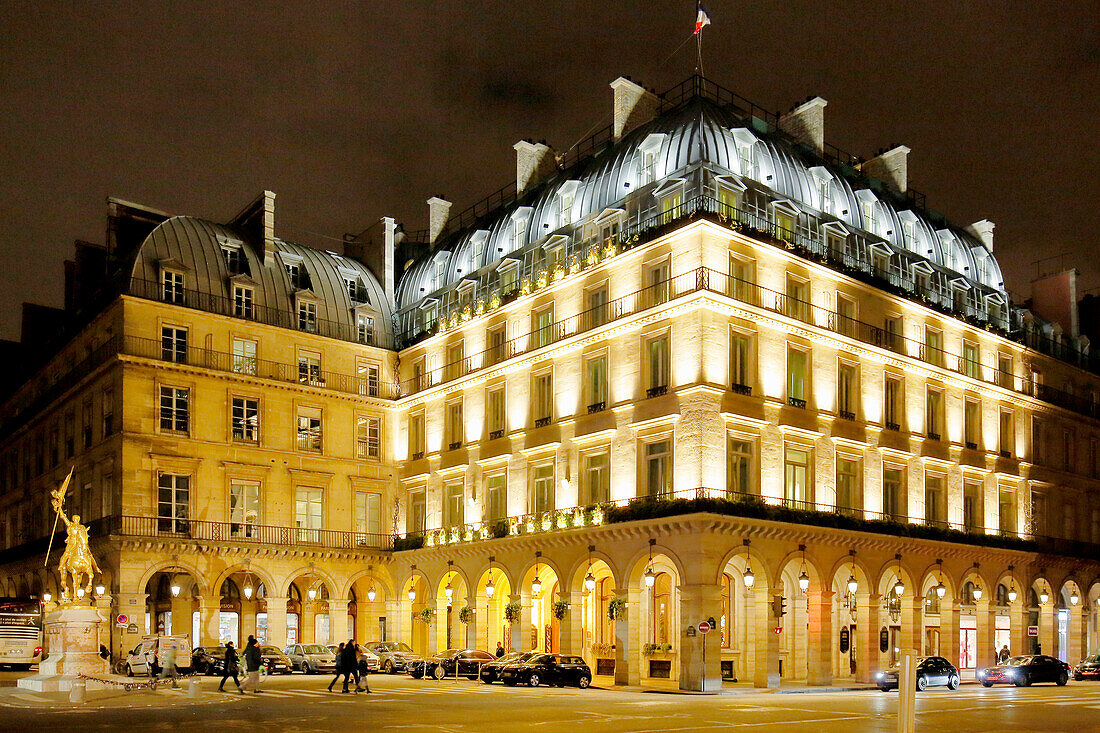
796, 477
496, 340
797, 368
543, 403
893, 403
933, 346
86, 424
972, 423
670, 205
657, 283
173, 344
244, 508
246, 419
892, 334
740, 469
658, 469
417, 519
367, 374
172, 286
242, 301
972, 366
509, 279
307, 316
454, 503
743, 280
542, 481
727, 202
244, 356
596, 477
456, 362
368, 513
657, 366
935, 504
1006, 513
1007, 434
798, 298
543, 327
455, 426
496, 403
309, 429
596, 312
173, 503
308, 509
893, 493
849, 490
972, 507
364, 328
595, 383
309, 369
1038, 441
740, 363
232, 257
368, 436
934, 414
497, 490
351, 285
294, 272
1005, 377
175, 412
108, 412
416, 436
846, 322
847, 388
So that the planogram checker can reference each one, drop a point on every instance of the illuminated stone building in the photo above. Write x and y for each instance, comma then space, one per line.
701, 366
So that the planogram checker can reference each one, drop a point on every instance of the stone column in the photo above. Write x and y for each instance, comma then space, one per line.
912, 623
949, 629
868, 656
819, 662
572, 626
276, 622
441, 624
628, 641
985, 654
210, 610
1017, 627
338, 630
181, 615
1076, 636
515, 631
766, 669
1047, 626
698, 602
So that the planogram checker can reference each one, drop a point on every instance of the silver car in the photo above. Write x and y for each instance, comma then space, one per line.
395, 655
311, 658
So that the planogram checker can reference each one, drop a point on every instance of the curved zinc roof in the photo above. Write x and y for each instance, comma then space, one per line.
700, 131
195, 246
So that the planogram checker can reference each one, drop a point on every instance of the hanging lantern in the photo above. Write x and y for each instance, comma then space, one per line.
1012, 594
489, 587
312, 593
175, 589
371, 594
803, 581
899, 588
977, 593
1043, 597
590, 581
450, 593
749, 577
853, 584
412, 594
248, 591
1073, 598
941, 590
650, 578
536, 586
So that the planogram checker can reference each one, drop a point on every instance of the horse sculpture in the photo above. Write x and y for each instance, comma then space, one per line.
77, 560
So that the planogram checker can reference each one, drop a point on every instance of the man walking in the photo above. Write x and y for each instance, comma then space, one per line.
339, 667
168, 666
350, 664
1003, 655
252, 661
230, 668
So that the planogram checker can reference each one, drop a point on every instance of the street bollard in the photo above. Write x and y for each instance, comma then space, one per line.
193, 688
79, 692
907, 692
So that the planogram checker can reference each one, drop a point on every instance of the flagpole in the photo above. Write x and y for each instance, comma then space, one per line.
699, 52
57, 514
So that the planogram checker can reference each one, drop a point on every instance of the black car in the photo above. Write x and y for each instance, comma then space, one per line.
491, 672
1089, 668
930, 672
1025, 670
551, 669
467, 662
202, 660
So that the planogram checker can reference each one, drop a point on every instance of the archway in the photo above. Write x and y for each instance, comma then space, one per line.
492, 594
539, 589
853, 656
797, 581
367, 618
595, 583
419, 607
1070, 623
450, 598
309, 612
172, 604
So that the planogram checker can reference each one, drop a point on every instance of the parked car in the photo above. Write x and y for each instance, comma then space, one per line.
551, 669
1024, 670
394, 655
465, 662
372, 661
146, 657
311, 658
930, 672
1088, 668
273, 660
491, 672
201, 659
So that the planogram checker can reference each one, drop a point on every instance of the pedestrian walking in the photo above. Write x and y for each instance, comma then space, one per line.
168, 666
500, 650
230, 668
1003, 655
339, 667
104, 652
351, 664
363, 669
252, 662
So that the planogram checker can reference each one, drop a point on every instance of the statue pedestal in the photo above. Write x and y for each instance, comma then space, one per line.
72, 638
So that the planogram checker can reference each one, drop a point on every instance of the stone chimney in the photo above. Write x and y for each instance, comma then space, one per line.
983, 230
389, 244
891, 167
1054, 297
534, 164
438, 210
806, 123
634, 106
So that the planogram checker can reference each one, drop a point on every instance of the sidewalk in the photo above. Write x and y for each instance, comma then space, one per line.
108, 699
671, 687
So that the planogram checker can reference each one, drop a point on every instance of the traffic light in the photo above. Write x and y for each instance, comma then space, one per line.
779, 606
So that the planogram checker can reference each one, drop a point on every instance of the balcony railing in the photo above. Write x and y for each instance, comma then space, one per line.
233, 532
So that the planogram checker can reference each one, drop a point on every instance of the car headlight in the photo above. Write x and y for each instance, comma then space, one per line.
880, 676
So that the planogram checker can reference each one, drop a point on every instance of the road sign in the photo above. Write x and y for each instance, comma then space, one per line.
690, 631
122, 619
704, 627
131, 629
1032, 630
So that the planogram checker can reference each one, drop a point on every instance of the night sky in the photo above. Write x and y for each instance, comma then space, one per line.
354, 111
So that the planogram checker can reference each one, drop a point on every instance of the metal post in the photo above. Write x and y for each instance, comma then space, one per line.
907, 692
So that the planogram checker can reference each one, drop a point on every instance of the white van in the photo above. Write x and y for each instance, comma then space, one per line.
146, 656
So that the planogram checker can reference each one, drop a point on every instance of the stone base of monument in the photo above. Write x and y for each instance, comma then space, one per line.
72, 638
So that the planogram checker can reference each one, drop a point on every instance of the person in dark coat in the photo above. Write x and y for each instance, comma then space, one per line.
500, 650
362, 670
339, 667
230, 668
350, 664
252, 661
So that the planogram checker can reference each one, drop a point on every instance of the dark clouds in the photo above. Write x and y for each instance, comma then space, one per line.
351, 111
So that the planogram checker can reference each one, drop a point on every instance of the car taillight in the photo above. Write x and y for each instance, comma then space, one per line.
37, 650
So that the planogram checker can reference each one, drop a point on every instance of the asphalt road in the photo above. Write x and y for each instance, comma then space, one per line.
295, 704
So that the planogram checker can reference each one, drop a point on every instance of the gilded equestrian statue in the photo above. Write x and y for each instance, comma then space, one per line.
77, 560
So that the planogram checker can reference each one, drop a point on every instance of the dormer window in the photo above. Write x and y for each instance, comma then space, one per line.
647, 158
519, 232
351, 284
364, 327
233, 258
509, 277
242, 301
307, 315
477, 248
566, 196
171, 286
440, 273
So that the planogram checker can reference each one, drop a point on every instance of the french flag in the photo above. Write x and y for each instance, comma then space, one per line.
702, 18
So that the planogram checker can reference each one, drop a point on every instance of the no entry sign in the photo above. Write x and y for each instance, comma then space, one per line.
704, 627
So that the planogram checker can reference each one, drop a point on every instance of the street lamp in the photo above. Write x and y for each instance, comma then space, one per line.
590, 579
803, 578
748, 577
47, 597
100, 591
536, 584
1073, 598
79, 592
650, 577
1043, 597
899, 587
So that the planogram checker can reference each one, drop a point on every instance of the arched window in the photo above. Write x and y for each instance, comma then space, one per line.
726, 622
932, 601
662, 608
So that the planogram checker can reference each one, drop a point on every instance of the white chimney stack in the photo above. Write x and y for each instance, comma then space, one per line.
634, 106
389, 231
806, 123
438, 211
890, 167
534, 164
983, 230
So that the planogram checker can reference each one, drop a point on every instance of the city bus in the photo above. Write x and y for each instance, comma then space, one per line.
20, 632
